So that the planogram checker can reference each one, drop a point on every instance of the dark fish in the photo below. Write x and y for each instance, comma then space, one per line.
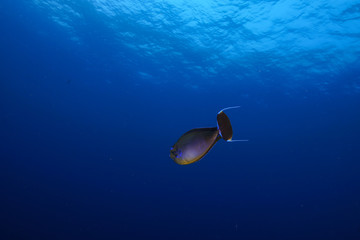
196, 143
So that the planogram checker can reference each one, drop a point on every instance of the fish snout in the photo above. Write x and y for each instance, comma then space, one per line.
174, 153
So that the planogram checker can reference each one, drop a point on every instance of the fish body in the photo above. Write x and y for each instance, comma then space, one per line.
196, 143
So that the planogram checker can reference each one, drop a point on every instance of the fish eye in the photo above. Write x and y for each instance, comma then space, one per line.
178, 153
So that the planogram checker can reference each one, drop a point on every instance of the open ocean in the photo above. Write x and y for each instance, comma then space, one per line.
94, 93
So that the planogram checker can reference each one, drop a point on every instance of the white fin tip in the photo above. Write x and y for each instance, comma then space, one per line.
237, 140
228, 108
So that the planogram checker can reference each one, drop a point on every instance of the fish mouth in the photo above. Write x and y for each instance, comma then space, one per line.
173, 154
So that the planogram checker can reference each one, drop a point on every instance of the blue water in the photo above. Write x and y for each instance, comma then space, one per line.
93, 93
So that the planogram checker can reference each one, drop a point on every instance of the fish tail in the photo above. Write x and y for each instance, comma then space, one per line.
224, 126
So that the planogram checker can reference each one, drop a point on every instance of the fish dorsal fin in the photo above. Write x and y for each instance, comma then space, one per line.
224, 126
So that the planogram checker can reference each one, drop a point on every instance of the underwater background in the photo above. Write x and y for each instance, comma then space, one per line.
93, 94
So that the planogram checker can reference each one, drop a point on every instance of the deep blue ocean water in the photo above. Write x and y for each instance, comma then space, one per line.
93, 93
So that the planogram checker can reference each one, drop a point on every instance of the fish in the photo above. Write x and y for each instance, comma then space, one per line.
196, 143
